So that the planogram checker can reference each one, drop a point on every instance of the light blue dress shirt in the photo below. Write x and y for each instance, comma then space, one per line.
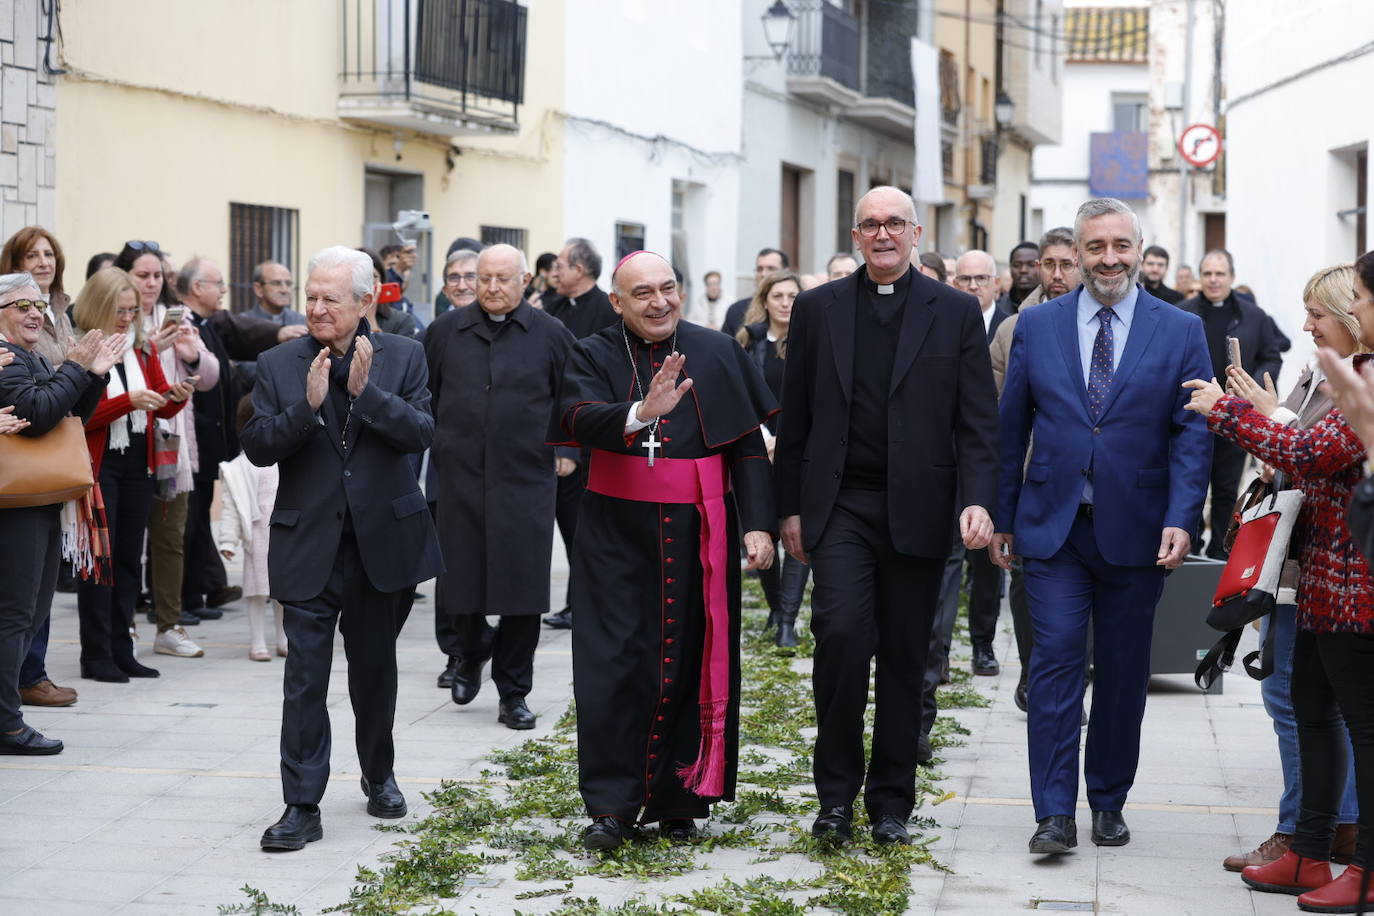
1088, 324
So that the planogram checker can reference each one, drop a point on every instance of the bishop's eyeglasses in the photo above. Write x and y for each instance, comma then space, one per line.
895, 226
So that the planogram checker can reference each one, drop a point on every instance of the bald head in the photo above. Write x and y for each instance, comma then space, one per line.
976, 272
502, 275
644, 293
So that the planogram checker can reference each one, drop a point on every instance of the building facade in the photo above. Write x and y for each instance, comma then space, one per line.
28, 117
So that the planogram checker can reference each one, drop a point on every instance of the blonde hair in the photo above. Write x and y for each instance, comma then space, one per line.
1333, 289
758, 307
95, 306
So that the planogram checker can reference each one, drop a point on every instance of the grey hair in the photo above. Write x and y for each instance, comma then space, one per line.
189, 274
836, 256
257, 271
886, 187
582, 253
1059, 235
11, 282
460, 254
359, 266
1102, 206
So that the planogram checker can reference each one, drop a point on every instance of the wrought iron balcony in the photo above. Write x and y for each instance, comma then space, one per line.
823, 64
445, 67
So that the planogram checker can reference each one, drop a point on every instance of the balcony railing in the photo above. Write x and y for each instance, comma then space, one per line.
441, 66
825, 44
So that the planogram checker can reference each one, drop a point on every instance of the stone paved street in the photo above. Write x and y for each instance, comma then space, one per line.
157, 803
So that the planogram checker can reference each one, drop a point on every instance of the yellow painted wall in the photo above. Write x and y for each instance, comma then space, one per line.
168, 116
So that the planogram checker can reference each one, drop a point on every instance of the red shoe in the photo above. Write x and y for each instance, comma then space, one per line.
1290, 874
1341, 895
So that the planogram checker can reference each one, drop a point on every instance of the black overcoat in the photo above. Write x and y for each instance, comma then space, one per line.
494, 391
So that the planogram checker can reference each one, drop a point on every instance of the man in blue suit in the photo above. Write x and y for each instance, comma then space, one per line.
1106, 505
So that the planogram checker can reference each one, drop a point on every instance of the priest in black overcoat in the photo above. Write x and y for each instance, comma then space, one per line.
494, 372
671, 412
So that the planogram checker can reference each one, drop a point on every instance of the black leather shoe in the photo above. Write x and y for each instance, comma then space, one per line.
985, 661
134, 668
787, 636
924, 752
299, 824
678, 830
1055, 834
561, 620
1022, 696
515, 714
187, 619
467, 681
104, 670
890, 830
447, 675
605, 833
203, 613
29, 742
384, 799
1109, 829
834, 824
222, 596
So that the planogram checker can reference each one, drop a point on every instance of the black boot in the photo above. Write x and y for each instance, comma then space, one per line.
299, 824
787, 636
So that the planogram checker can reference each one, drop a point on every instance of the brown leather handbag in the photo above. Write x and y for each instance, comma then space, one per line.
47, 469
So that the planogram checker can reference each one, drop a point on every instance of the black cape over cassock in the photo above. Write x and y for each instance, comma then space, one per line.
494, 387
637, 646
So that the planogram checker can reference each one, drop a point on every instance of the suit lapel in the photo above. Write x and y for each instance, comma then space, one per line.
1066, 325
307, 355
840, 321
1143, 325
917, 317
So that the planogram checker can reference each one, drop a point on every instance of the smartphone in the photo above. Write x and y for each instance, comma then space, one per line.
1233, 352
174, 316
389, 292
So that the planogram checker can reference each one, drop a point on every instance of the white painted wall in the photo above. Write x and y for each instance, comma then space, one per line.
652, 95
1286, 175
1060, 182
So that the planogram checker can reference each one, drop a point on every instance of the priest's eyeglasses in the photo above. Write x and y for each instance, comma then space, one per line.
973, 279
895, 226
23, 305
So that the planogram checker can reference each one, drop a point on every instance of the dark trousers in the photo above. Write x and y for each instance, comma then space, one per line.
1020, 616
445, 633
570, 490
1333, 680
868, 601
370, 621
204, 570
784, 584
941, 635
1068, 592
30, 548
1228, 463
510, 645
34, 670
107, 611
984, 598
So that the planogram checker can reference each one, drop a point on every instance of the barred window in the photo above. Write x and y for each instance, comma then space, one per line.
256, 234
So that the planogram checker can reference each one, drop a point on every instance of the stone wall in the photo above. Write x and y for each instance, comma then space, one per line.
28, 116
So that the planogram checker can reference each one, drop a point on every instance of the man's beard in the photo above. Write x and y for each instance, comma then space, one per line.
1110, 292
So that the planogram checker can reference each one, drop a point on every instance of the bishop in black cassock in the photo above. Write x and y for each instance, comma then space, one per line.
655, 663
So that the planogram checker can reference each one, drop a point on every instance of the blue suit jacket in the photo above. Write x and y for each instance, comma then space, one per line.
1149, 458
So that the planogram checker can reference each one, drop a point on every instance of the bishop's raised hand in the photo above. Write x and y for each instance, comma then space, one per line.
664, 391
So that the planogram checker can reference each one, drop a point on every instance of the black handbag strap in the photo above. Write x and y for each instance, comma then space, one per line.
1260, 663
1219, 659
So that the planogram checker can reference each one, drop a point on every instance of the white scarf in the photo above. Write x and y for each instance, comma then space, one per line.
137, 420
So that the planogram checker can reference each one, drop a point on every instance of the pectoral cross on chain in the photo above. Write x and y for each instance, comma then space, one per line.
652, 444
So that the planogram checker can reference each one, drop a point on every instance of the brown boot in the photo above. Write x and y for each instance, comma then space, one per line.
46, 693
1270, 850
1343, 846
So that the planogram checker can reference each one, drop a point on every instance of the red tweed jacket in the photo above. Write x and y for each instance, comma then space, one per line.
1335, 591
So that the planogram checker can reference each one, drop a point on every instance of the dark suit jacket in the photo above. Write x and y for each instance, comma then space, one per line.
374, 482
999, 315
942, 413
1262, 344
586, 315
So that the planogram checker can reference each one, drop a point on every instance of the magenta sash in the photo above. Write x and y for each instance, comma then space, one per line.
703, 482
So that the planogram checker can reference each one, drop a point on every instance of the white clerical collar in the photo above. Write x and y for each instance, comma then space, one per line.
500, 317
886, 289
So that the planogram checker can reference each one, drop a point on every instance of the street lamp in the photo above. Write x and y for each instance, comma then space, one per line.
778, 20
1003, 109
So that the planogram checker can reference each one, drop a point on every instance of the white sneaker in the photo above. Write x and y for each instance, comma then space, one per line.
176, 642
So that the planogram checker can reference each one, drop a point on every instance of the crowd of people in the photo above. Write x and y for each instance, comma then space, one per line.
894, 427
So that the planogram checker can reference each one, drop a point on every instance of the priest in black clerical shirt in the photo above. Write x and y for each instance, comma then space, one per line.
671, 412
585, 309
888, 440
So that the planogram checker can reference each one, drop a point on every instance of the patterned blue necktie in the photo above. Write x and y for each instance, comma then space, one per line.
1100, 369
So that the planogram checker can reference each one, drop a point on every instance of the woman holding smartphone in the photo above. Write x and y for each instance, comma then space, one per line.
184, 358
